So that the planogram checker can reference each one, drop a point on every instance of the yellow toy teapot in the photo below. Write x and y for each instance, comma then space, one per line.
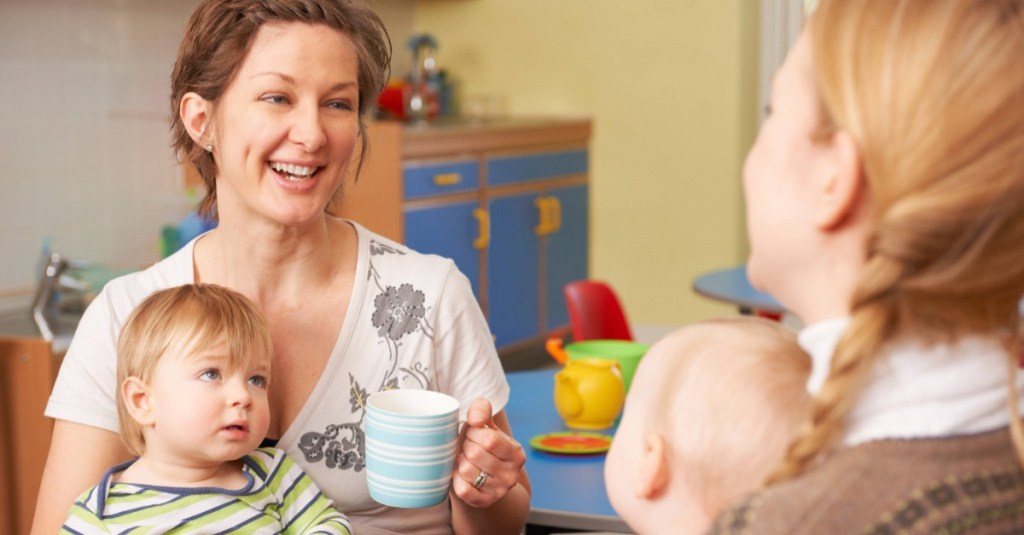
589, 393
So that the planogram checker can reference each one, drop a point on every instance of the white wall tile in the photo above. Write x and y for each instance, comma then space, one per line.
84, 155
84, 159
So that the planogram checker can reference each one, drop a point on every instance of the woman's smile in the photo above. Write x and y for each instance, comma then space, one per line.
294, 173
295, 177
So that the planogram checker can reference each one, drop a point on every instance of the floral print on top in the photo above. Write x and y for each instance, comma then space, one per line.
397, 312
413, 322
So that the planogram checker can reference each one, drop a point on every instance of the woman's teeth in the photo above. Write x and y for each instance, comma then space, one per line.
293, 173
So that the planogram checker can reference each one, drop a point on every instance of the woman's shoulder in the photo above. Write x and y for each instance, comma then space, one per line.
132, 288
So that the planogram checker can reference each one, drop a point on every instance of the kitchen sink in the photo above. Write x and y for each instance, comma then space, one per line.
20, 323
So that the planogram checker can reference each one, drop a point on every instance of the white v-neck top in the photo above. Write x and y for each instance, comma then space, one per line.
917, 391
412, 322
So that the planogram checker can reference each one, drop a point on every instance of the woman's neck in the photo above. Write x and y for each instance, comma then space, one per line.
269, 263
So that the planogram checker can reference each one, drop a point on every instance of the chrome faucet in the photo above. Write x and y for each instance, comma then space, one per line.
51, 282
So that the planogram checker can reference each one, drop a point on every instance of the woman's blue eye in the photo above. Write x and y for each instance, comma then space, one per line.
340, 105
275, 99
210, 375
258, 381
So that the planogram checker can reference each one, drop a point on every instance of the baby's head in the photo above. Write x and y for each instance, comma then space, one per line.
178, 323
711, 410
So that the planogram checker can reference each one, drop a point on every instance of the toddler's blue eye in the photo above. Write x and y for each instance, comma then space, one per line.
210, 375
258, 381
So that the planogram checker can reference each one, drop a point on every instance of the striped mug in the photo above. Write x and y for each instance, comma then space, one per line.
410, 446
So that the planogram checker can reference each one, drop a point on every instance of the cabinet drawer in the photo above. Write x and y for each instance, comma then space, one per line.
524, 168
429, 179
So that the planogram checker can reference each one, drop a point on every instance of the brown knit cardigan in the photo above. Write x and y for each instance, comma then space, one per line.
965, 484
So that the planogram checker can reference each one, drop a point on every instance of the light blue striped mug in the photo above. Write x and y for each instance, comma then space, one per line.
410, 446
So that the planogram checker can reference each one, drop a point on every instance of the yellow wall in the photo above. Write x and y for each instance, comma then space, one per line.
671, 87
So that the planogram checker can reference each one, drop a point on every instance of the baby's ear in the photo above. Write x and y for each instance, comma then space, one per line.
653, 480
136, 398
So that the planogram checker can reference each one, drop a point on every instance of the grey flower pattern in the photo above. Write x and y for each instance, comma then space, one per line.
398, 312
357, 395
377, 248
339, 446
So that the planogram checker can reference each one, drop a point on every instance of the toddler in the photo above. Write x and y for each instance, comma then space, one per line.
712, 408
193, 365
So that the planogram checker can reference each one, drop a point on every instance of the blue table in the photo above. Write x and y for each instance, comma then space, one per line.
568, 490
732, 286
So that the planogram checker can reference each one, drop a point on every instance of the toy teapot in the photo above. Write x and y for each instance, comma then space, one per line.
589, 393
626, 352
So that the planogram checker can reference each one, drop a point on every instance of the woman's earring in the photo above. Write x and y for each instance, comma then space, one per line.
208, 147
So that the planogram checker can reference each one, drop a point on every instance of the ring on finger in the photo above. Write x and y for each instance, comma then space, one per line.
480, 480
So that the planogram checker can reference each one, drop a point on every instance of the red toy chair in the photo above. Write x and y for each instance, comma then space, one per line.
595, 312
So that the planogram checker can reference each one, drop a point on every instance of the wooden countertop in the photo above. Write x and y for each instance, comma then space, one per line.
470, 135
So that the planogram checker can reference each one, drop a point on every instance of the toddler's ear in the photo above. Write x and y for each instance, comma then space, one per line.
653, 480
136, 399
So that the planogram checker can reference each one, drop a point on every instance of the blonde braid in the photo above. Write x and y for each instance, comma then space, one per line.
871, 324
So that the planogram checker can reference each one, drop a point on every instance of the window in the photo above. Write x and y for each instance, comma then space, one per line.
781, 21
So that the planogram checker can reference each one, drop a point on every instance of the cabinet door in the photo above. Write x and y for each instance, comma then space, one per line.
447, 230
512, 273
567, 250
518, 168
428, 179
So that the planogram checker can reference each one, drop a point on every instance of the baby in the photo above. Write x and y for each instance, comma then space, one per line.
712, 408
193, 365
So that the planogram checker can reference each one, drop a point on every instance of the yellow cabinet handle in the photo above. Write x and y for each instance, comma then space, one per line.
447, 179
483, 219
556, 215
543, 205
550, 215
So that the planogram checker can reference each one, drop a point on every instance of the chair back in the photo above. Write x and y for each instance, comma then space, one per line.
595, 312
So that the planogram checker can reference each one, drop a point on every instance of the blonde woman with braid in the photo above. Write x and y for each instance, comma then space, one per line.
885, 204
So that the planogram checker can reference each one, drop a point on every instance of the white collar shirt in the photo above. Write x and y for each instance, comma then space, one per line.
918, 391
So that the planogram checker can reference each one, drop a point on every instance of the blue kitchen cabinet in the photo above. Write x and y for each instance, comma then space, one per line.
520, 168
422, 180
567, 248
512, 274
538, 208
448, 230
538, 244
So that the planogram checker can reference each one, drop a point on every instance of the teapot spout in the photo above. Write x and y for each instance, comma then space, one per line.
556, 350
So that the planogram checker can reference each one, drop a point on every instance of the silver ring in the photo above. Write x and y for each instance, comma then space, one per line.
480, 480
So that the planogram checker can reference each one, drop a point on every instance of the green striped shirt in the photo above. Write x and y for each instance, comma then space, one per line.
279, 498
